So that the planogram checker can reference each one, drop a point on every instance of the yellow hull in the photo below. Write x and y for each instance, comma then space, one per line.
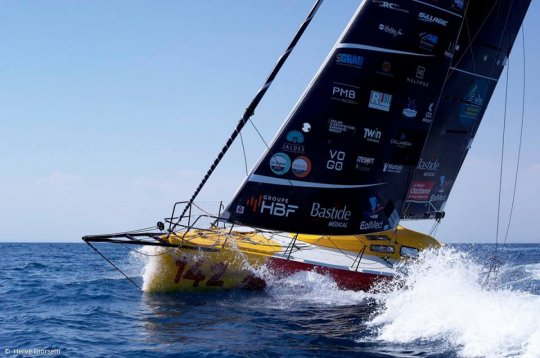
218, 259
211, 260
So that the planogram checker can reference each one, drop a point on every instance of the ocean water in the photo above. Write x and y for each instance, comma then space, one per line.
64, 300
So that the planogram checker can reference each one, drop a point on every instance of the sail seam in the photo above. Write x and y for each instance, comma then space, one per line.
474, 74
438, 8
286, 182
380, 49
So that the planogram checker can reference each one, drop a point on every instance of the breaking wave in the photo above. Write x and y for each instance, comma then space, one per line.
443, 299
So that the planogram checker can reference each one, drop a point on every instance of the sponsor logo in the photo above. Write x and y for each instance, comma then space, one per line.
420, 190
294, 142
330, 213
410, 110
372, 135
432, 19
381, 101
392, 168
438, 197
402, 142
375, 208
338, 127
390, 6
344, 93
273, 205
429, 167
428, 40
280, 163
254, 203
372, 225
338, 217
301, 167
443, 184
373, 214
474, 101
336, 160
428, 117
390, 30
306, 127
458, 4
420, 72
364, 164
386, 67
295, 137
418, 78
348, 59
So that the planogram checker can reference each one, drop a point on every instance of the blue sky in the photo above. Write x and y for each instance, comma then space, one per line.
112, 111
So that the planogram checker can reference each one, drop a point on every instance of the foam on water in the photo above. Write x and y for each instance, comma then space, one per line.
311, 288
442, 300
533, 270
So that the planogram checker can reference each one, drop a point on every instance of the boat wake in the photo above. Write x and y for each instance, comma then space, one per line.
311, 288
443, 299
440, 299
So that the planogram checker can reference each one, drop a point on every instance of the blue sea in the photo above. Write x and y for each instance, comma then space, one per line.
64, 300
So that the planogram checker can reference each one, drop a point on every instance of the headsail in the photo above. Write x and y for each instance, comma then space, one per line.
490, 28
342, 161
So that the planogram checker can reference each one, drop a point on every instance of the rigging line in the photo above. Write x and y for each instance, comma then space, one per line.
472, 39
507, 21
201, 209
477, 32
470, 42
149, 229
250, 110
244, 152
433, 228
437, 225
113, 265
502, 154
142, 253
259, 133
520, 137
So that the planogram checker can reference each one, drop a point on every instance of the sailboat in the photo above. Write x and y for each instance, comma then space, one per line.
378, 136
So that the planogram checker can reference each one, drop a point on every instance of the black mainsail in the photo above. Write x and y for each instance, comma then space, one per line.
342, 161
490, 29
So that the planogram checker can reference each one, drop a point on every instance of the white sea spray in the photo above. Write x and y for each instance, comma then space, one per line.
442, 298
